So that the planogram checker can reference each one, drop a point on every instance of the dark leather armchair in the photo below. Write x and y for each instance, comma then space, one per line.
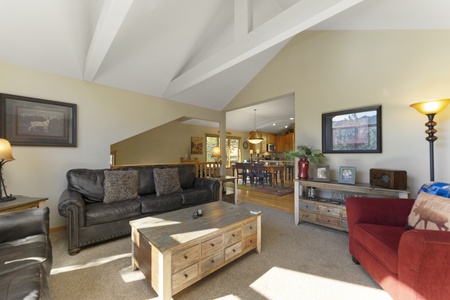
25, 254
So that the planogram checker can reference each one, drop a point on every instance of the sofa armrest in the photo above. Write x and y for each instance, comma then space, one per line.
20, 224
71, 205
381, 211
208, 184
423, 267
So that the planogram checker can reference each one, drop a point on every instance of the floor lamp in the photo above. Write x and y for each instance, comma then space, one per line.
431, 108
5, 156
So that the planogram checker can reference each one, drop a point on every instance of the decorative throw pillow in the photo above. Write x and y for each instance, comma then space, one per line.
167, 181
430, 212
436, 188
121, 185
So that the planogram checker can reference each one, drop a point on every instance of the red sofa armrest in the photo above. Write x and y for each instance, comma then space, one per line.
381, 211
423, 264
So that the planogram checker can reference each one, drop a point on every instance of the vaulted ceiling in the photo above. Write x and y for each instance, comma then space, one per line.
201, 52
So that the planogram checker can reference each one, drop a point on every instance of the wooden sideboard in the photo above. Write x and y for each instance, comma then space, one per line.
328, 206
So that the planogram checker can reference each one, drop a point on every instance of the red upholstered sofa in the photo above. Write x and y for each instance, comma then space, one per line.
408, 264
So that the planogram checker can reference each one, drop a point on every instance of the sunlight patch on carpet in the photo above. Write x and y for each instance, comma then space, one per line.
128, 275
91, 264
279, 283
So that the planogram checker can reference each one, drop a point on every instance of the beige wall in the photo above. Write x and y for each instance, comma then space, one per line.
337, 70
105, 116
166, 144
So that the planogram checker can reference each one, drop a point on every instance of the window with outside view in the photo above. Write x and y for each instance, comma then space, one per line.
232, 148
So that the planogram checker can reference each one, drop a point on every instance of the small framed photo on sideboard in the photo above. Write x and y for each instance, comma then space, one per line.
322, 173
347, 175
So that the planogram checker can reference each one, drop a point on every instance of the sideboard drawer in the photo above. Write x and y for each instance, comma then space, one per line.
308, 206
330, 211
329, 220
307, 216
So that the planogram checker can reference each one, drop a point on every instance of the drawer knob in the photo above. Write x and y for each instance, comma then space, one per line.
251, 227
233, 235
186, 257
186, 275
234, 250
251, 241
212, 260
212, 244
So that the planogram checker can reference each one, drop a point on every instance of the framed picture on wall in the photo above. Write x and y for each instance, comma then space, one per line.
36, 122
352, 131
196, 145
347, 175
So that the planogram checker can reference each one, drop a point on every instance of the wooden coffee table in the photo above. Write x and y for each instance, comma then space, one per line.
174, 250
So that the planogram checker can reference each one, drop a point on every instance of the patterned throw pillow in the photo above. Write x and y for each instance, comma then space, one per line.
167, 181
436, 188
121, 185
430, 212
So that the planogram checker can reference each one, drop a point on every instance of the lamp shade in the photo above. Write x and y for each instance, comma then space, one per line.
431, 107
5, 150
253, 138
216, 152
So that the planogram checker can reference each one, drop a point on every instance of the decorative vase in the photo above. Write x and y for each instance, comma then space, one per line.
303, 168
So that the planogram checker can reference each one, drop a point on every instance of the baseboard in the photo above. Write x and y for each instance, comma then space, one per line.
57, 229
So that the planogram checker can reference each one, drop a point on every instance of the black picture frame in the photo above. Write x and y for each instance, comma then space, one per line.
322, 173
347, 175
352, 131
29, 121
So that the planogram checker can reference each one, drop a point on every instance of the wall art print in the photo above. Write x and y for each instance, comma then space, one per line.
196, 145
36, 122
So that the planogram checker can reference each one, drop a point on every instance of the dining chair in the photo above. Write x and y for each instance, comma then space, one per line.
261, 175
241, 173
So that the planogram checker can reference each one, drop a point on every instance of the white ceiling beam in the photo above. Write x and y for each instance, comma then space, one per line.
111, 17
243, 18
297, 18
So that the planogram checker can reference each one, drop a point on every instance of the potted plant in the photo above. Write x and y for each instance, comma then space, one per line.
306, 155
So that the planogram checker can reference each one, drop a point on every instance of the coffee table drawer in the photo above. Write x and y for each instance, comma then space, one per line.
211, 246
185, 257
233, 236
233, 250
211, 262
250, 242
249, 229
179, 278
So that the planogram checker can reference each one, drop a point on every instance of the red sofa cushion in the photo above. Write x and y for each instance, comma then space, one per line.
381, 241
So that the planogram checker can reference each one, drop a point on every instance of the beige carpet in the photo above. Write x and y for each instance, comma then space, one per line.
296, 262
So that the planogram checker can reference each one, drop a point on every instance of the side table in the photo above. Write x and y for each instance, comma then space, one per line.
223, 180
21, 203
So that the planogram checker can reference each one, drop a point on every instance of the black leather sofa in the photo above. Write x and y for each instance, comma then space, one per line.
25, 254
90, 220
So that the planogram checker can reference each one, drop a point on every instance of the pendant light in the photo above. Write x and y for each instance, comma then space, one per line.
254, 138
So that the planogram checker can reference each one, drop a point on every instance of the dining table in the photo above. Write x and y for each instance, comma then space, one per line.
276, 170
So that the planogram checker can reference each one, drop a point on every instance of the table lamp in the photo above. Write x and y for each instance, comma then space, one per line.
216, 153
5, 156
